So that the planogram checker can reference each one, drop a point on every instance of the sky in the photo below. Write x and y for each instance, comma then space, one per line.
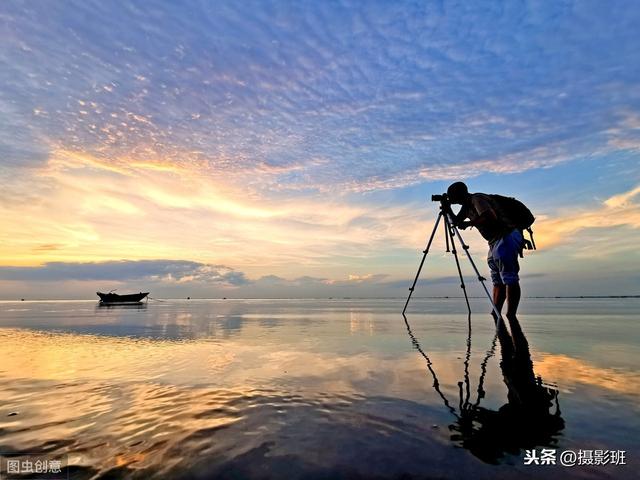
290, 149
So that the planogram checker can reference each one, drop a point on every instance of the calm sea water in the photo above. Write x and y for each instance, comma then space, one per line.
319, 389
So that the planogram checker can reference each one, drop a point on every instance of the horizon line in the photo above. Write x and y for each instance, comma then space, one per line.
444, 297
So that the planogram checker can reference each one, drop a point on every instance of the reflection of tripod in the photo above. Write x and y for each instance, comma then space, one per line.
526, 420
465, 404
451, 232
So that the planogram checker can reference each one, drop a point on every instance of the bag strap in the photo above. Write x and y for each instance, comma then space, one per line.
527, 244
533, 242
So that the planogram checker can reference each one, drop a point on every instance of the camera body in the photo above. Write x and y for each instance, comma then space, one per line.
445, 204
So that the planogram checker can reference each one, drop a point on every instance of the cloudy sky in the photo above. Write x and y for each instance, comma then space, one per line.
249, 149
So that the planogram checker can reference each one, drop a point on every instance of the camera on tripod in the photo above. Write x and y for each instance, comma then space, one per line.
451, 234
445, 204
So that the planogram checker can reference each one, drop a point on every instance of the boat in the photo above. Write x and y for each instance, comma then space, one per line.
114, 298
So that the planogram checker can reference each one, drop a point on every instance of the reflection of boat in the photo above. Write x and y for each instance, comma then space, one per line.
121, 306
114, 298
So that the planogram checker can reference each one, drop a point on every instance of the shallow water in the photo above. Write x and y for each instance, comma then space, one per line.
319, 388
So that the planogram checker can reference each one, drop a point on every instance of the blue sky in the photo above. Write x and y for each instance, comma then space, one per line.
302, 140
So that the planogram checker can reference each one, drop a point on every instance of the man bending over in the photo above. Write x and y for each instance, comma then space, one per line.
505, 242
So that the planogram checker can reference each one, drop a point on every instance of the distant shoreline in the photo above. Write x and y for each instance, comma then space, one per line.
318, 298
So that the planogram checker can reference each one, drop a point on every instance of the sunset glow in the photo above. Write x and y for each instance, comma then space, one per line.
272, 151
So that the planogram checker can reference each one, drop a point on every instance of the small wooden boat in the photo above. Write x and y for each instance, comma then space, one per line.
113, 298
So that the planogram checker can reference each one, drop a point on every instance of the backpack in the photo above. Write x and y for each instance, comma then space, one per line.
519, 215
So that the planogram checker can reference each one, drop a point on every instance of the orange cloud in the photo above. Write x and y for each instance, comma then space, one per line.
617, 211
98, 208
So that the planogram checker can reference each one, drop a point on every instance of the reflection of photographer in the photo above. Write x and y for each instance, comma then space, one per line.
501, 221
528, 418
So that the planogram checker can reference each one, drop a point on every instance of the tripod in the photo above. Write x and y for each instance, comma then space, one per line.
451, 233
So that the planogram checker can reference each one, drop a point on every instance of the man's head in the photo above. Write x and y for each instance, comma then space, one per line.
457, 193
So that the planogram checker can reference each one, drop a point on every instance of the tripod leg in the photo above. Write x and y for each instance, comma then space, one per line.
449, 233
483, 369
465, 247
436, 383
467, 359
446, 234
425, 251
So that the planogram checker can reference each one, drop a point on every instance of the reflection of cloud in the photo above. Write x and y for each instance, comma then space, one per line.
108, 358
361, 322
569, 371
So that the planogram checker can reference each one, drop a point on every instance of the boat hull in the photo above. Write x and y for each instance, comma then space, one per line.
114, 298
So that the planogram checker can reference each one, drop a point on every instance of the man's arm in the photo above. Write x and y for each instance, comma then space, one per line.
458, 220
485, 217
485, 212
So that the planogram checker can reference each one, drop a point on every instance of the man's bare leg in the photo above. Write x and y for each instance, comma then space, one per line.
513, 299
499, 296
